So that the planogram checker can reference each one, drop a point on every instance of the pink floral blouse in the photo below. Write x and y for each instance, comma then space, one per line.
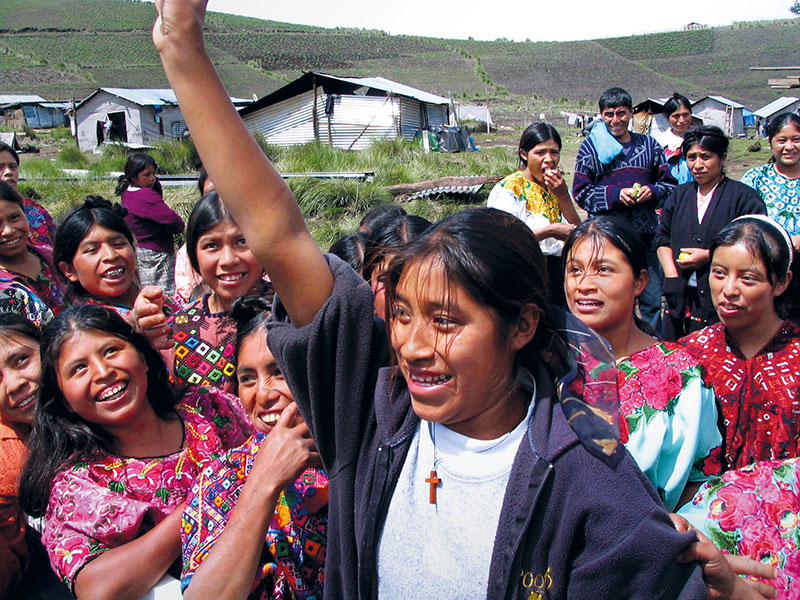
96, 506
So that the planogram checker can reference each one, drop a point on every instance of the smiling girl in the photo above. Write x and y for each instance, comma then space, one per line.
94, 251
19, 390
555, 505
751, 357
693, 214
269, 539
678, 110
668, 415
203, 332
114, 452
29, 284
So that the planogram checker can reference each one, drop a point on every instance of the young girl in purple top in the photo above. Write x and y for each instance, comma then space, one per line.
153, 222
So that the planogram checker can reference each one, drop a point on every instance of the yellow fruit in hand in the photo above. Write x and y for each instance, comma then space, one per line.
683, 256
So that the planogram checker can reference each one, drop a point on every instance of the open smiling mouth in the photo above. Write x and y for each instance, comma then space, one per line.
112, 393
429, 381
231, 278
114, 273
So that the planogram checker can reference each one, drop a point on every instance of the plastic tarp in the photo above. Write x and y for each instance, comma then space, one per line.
474, 113
453, 138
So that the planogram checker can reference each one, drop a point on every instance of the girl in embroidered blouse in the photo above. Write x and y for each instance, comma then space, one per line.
668, 415
203, 333
538, 195
113, 453
778, 183
467, 299
268, 540
19, 390
29, 284
751, 357
692, 216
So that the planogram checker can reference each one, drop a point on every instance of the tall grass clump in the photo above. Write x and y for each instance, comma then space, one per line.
72, 157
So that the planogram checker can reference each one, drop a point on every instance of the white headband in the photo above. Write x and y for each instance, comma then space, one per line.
777, 226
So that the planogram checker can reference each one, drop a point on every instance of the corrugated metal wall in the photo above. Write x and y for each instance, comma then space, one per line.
287, 123
410, 117
437, 114
355, 123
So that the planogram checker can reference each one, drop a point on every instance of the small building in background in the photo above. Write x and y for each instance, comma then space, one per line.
135, 117
723, 112
787, 104
344, 112
20, 110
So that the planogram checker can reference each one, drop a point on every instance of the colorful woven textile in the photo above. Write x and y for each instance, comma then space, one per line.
759, 396
293, 560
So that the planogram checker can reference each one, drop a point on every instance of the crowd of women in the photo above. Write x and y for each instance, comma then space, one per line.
470, 408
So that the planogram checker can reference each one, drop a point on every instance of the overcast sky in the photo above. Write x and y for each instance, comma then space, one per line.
536, 20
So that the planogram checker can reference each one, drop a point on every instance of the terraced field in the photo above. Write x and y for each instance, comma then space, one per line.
67, 48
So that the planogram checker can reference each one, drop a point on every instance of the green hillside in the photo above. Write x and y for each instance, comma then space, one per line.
67, 48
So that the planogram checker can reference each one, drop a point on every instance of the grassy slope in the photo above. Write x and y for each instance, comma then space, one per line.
107, 44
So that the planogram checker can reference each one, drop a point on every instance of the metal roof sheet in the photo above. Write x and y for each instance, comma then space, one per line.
20, 99
387, 85
721, 99
774, 106
153, 96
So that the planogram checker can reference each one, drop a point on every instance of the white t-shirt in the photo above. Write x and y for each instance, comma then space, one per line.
444, 550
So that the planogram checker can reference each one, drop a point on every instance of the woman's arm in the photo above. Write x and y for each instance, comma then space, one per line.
229, 569
664, 254
253, 191
131, 570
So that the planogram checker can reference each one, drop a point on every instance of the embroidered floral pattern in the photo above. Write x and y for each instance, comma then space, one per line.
538, 200
753, 511
98, 505
668, 418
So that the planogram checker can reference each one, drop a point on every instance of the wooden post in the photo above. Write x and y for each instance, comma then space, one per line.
314, 111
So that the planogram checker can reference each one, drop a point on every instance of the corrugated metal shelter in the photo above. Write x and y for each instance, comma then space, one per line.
777, 107
17, 110
345, 112
135, 116
722, 112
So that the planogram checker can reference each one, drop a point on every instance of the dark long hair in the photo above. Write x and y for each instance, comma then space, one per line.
490, 254
250, 313
620, 234
708, 137
781, 121
15, 324
95, 210
59, 436
675, 102
391, 237
535, 134
135, 164
9, 194
351, 249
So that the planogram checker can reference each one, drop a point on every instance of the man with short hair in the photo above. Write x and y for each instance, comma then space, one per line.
621, 173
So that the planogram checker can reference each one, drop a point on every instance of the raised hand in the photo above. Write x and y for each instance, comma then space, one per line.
179, 19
